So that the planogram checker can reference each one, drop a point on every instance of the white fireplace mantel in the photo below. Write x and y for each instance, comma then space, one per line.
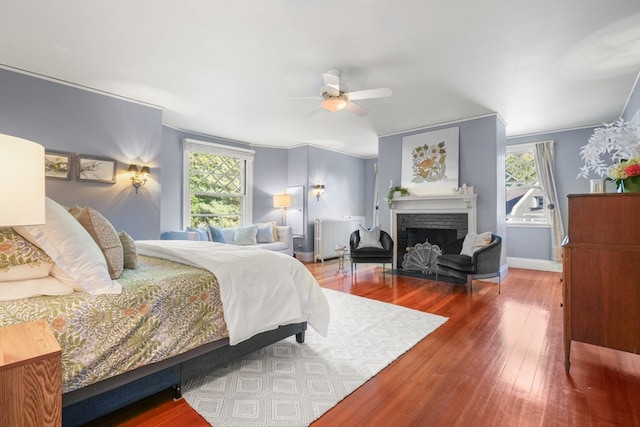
435, 204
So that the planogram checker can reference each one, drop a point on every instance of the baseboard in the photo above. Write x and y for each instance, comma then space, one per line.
535, 264
304, 256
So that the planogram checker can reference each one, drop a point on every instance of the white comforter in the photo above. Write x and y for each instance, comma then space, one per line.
260, 290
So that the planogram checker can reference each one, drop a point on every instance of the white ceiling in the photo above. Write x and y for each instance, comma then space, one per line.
231, 68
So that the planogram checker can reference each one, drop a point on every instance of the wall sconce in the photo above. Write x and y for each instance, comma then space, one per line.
282, 201
139, 177
318, 190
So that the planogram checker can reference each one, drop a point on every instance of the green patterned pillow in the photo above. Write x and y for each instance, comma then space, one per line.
21, 259
105, 236
129, 251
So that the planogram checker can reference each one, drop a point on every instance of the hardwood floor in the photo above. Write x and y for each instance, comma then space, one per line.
497, 361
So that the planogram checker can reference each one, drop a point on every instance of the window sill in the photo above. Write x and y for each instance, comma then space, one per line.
527, 225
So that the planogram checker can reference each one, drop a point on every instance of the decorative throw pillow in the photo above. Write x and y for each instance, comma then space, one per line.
19, 289
369, 238
473, 242
203, 232
229, 234
246, 235
79, 262
216, 235
104, 235
129, 251
21, 259
265, 233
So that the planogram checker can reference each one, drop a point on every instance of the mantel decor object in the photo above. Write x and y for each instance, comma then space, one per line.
396, 191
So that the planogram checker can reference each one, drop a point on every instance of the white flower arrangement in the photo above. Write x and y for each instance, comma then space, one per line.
617, 141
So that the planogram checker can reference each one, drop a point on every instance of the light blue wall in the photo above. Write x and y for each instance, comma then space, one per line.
369, 188
342, 176
270, 177
69, 119
535, 243
66, 118
481, 161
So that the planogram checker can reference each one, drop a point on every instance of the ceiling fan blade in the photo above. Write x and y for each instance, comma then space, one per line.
301, 97
356, 109
312, 112
381, 92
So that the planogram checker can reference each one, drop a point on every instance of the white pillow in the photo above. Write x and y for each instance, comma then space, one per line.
473, 242
246, 235
79, 262
369, 238
265, 233
47, 285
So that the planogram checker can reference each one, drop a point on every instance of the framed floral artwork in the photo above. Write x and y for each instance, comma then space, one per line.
58, 164
96, 169
430, 162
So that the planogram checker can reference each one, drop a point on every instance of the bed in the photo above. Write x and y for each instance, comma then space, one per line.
185, 308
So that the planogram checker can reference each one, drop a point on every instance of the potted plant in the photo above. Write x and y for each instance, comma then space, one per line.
396, 191
612, 151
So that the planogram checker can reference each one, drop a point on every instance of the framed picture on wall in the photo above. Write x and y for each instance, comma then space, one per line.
57, 165
430, 162
96, 169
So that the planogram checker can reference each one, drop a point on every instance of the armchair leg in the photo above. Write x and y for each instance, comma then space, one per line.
469, 285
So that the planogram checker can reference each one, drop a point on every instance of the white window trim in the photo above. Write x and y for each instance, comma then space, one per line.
522, 148
221, 150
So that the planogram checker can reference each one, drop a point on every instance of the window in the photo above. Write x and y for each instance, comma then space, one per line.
218, 182
526, 203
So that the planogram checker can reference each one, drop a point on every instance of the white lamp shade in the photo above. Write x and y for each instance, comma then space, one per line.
22, 195
282, 201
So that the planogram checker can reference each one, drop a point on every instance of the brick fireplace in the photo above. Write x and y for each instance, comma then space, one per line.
435, 217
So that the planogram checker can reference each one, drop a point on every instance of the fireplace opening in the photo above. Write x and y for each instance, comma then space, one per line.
435, 236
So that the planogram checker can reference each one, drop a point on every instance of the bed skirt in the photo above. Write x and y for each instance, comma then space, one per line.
91, 402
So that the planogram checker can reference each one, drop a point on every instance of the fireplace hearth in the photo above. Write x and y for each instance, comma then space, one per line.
435, 236
436, 219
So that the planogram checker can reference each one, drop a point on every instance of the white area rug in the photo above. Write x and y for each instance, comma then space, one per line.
291, 384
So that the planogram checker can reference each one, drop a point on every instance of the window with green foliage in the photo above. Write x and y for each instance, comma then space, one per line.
525, 200
218, 182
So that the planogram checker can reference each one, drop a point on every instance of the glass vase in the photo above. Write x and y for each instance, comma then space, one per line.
631, 185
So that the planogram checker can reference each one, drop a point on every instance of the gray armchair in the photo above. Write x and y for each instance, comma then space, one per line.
371, 255
484, 263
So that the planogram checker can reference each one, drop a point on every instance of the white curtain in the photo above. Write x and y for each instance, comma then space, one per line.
544, 166
376, 219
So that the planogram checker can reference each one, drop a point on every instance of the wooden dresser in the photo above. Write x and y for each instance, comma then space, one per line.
30, 376
601, 272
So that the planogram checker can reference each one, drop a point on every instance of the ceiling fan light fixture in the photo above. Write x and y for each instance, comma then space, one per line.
334, 104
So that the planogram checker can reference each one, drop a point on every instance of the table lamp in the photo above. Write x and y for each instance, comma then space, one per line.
22, 193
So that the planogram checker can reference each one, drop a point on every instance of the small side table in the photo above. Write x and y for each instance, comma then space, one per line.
30, 376
341, 251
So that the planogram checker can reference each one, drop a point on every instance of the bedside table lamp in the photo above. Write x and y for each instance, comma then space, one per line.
282, 201
22, 195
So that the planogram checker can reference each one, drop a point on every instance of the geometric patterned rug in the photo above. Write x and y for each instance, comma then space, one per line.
291, 384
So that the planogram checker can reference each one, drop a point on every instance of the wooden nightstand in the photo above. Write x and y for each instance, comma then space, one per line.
30, 376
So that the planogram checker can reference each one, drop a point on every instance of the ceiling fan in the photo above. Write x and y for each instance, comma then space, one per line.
336, 97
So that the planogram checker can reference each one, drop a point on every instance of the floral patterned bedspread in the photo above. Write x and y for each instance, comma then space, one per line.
165, 309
